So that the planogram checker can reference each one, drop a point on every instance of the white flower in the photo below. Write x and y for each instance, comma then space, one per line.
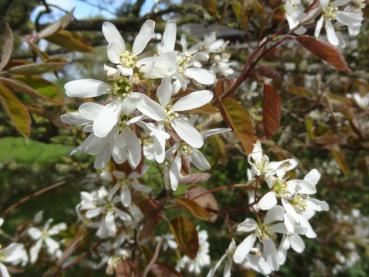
228, 256
361, 101
125, 60
213, 45
260, 164
121, 143
169, 113
13, 254
125, 183
350, 17
183, 151
294, 12
263, 232
113, 252
103, 208
220, 64
44, 237
154, 141
301, 207
280, 188
202, 258
187, 62
104, 118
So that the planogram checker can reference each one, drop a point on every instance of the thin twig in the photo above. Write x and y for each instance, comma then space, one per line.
31, 196
153, 258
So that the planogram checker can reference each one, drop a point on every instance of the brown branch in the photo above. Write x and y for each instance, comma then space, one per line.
31, 196
153, 258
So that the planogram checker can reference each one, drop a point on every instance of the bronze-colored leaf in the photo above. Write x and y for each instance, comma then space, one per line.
16, 110
205, 199
37, 68
340, 158
195, 209
72, 41
160, 269
324, 51
186, 236
18, 86
56, 26
195, 178
7, 47
271, 110
239, 120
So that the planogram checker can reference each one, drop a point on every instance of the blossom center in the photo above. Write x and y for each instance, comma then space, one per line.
127, 59
329, 13
170, 114
186, 150
263, 232
280, 188
183, 61
299, 203
121, 87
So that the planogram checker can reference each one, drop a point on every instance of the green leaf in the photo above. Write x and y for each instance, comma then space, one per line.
186, 236
37, 68
43, 86
71, 41
271, 110
195, 209
238, 118
31, 152
7, 47
16, 110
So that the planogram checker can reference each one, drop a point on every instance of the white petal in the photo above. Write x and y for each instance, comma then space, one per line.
86, 88
331, 33
268, 201
215, 131
90, 110
247, 225
3, 270
274, 214
193, 100
144, 36
200, 75
349, 18
125, 196
134, 149
52, 245
318, 27
297, 243
34, 233
150, 108
102, 158
106, 119
114, 52
188, 133
56, 229
113, 36
199, 160
313, 177
244, 248
174, 172
164, 91
110, 224
169, 37
94, 212
35, 250
270, 253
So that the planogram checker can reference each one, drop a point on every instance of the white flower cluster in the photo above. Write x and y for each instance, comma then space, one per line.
15, 253
289, 207
334, 15
133, 122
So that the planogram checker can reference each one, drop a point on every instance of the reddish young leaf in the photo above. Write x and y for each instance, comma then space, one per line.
324, 51
238, 118
204, 199
195, 209
186, 236
271, 110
